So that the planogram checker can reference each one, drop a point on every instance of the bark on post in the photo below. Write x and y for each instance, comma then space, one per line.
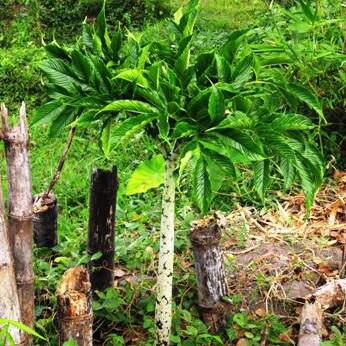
163, 309
75, 315
20, 209
205, 236
45, 221
9, 302
103, 189
311, 325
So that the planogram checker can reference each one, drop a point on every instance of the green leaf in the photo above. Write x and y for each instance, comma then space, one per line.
236, 120
243, 71
134, 76
47, 113
222, 161
201, 186
128, 127
183, 129
291, 121
59, 74
22, 327
148, 175
306, 96
105, 138
288, 172
216, 105
129, 106
261, 177
223, 68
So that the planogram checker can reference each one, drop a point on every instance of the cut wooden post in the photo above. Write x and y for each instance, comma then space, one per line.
103, 189
75, 317
20, 209
311, 325
45, 221
205, 236
9, 302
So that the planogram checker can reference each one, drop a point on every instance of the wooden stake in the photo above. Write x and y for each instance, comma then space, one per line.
45, 221
205, 236
20, 208
311, 325
9, 302
75, 317
103, 189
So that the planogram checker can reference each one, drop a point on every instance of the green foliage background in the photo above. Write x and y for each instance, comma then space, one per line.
23, 26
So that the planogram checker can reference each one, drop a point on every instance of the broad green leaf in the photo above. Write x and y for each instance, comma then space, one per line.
148, 175
306, 96
47, 113
59, 74
216, 105
223, 68
243, 71
261, 177
129, 127
134, 76
129, 106
306, 173
236, 120
201, 186
288, 172
224, 162
183, 129
291, 121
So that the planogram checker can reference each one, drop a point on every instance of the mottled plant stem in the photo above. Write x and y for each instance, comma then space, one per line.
163, 312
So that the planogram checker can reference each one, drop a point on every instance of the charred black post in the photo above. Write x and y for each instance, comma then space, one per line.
103, 190
205, 236
45, 221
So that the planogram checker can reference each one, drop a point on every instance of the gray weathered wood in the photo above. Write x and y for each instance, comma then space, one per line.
311, 325
9, 302
75, 315
205, 236
20, 209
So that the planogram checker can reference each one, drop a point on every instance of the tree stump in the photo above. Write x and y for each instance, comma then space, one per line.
45, 221
103, 189
75, 317
205, 236
20, 209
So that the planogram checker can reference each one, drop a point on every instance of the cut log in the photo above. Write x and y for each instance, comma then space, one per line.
75, 317
212, 286
20, 209
311, 325
329, 295
9, 302
45, 221
103, 190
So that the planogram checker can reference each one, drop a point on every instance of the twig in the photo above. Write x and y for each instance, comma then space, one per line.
61, 162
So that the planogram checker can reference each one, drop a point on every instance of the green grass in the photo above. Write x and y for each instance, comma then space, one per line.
226, 14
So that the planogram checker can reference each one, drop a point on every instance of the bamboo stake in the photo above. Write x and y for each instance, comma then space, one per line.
20, 209
9, 302
75, 315
103, 193
212, 286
